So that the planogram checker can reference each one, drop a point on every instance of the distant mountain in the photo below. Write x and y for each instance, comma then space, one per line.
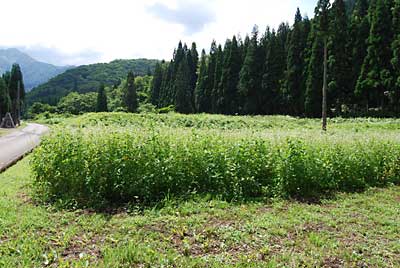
34, 72
87, 78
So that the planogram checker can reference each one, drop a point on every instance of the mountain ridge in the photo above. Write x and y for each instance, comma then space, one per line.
35, 72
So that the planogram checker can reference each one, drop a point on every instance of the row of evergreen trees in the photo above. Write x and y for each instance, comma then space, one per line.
281, 72
12, 93
129, 96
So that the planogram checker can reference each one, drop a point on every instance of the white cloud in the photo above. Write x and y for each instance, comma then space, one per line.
85, 31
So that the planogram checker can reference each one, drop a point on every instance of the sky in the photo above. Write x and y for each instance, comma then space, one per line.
75, 32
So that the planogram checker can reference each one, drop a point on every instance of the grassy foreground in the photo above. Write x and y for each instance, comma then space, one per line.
354, 230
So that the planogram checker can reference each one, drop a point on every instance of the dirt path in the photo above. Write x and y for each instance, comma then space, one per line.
16, 144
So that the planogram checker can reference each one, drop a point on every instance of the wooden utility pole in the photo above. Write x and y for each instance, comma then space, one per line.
324, 87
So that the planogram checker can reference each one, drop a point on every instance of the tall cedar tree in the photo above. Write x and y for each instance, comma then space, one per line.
230, 77
313, 94
193, 61
359, 34
16, 82
156, 85
131, 100
183, 91
4, 99
375, 77
339, 68
101, 105
295, 82
210, 78
275, 65
217, 93
396, 52
166, 87
201, 99
250, 76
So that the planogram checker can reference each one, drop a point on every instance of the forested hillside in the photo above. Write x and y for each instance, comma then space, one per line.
87, 78
280, 71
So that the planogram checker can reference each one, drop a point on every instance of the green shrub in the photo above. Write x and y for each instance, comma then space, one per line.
97, 167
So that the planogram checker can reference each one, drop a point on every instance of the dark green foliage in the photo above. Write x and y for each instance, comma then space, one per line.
193, 61
4, 98
75, 103
339, 68
250, 76
130, 94
87, 78
295, 81
40, 108
313, 94
16, 90
359, 34
375, 78
230, 77
201, 99
217, 94
272, 79
183, 89
396, 50
101, 105
156, 84
285, 71
210, 93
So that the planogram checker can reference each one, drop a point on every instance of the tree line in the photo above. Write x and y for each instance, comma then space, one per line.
281, 71
12, 93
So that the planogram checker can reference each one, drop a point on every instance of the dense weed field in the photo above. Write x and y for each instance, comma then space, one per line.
101, 160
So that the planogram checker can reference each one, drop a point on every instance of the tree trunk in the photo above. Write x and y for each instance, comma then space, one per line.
324, 88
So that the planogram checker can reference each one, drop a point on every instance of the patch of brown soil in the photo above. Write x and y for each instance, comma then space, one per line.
333, 262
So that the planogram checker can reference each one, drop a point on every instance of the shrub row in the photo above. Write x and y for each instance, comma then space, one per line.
95, 168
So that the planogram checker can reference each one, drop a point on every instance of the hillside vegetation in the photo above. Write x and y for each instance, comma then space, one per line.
87, 78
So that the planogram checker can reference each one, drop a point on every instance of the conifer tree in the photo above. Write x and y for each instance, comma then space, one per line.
295, 82
16, 91
201, 98
274, 71
101, 105
313, 94
217, 93
167, 95
359, 30
130, 96
4, 99
193, 63
230, 77
396, 52
210, 77
376, 77
339, 69
250, 76
183, 91
156, 85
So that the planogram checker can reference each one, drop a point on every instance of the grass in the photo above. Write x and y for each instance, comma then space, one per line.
352, 230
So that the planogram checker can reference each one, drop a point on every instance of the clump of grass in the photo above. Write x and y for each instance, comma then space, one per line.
97, 168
